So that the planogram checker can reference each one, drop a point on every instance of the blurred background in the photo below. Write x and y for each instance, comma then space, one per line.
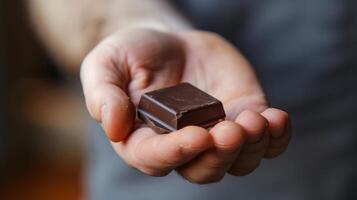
41, 116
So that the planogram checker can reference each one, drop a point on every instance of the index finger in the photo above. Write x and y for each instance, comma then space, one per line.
158, 154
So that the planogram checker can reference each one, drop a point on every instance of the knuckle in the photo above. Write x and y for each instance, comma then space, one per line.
172, 157
148, 169
196, 139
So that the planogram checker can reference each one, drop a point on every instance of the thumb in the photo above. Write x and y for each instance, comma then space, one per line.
104, 84
110, 106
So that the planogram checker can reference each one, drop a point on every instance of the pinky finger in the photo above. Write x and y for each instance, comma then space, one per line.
279, 130
278, 146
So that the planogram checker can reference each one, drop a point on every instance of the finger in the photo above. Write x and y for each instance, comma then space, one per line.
157, 155
212, 165
278, 121
277, 146
104, 82
253, 123
250, 156
280, 131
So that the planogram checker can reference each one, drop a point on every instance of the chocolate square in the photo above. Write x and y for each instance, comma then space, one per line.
173, 108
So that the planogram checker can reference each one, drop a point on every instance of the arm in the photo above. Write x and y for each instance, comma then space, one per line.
149, 47
70, 29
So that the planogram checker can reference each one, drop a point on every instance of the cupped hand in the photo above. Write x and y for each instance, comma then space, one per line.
129, 63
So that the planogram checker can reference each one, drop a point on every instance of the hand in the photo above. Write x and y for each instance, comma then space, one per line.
127, 64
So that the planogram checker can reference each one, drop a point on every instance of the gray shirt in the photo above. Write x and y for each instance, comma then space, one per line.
305, 55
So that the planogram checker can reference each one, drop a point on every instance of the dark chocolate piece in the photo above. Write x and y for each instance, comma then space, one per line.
173, 108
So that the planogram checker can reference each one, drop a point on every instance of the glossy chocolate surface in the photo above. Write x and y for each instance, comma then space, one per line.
173, 108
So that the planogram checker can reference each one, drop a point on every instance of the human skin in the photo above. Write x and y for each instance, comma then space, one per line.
135, 60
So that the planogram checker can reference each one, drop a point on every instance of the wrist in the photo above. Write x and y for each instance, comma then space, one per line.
152, 14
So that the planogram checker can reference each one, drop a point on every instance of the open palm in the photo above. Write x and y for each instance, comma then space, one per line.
126, 65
